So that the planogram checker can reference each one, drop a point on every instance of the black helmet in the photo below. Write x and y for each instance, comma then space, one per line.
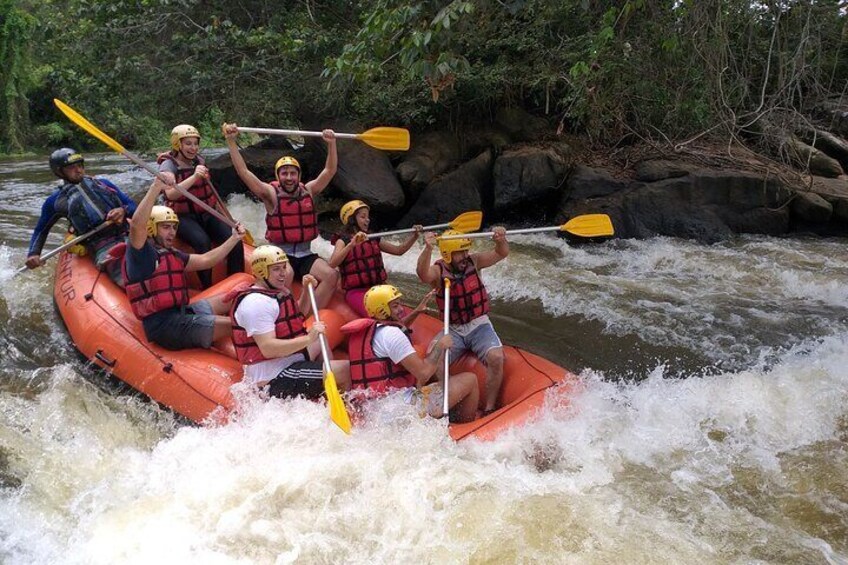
62, 158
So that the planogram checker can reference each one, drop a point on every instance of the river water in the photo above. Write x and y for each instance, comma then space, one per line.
710, 424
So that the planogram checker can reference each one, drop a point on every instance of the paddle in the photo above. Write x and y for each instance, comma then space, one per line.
338, 412
385, 138
446, 407
589, 225
248, 237
91, 129
465, 222
69, 244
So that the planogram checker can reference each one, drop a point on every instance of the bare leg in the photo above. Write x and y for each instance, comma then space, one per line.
327, 280
494, 376
464, 396
223, 328
341, 370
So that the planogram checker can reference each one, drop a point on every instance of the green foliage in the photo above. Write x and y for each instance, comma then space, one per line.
658, 69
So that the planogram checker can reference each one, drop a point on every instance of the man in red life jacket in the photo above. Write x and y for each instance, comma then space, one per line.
290, 215
156, 284
382, 360
469, 302
269, 334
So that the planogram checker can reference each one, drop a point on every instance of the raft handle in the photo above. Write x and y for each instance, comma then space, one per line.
168, 367
105, 360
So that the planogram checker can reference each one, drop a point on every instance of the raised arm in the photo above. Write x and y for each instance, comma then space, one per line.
138, 227
214, 256
318, 184
501, 250
395, 249
171, 192
428, 273
342, 249
263, 191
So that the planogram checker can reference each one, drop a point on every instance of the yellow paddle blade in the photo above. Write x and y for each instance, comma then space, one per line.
77, 118
467, 222
338, 411
589, 225
386, 138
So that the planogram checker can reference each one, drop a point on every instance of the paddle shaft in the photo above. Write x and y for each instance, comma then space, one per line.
446, 407
325, 350
268, 131
69, 244
509, 232
407, 230
155, 172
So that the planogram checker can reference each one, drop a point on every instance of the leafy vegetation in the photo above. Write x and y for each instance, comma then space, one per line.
666, 71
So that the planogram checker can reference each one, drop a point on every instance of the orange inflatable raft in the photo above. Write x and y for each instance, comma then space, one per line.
196, 383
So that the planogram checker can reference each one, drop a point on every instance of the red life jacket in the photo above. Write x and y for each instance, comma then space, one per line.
367, 371
201, 188
294, 219
289, 325
363, 265
166, 288
468, 296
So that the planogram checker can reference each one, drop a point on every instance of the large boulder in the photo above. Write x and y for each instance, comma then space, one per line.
591, 182
365, 173
448, 196
833, 146
430, 155
652, 170
522, 126
810, 208
525, 175
807, 156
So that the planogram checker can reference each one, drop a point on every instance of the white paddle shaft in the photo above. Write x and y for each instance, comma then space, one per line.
446, 407
69, 244
407, 230
509, 232
269, 131
325, 351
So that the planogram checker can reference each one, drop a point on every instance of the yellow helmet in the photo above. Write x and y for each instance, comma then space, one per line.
158, 215
283, 161
180, 132
350, 209
448, 246
263, 257
377, 300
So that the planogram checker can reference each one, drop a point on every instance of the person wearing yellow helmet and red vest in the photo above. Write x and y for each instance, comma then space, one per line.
86, 202
184, 165
290, 215
360, 260
469, 302
270, 335
156, 284
383, 360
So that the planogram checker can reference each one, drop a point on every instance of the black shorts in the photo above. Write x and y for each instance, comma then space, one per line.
302, 265
304, 378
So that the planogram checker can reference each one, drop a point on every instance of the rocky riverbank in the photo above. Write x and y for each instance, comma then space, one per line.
519, 172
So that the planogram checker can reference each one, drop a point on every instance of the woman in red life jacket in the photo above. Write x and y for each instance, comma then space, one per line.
270, 336
360, 260
469, 302
290, 215
184, 165
383, 360
155, 274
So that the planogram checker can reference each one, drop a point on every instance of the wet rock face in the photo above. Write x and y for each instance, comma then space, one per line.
543, 182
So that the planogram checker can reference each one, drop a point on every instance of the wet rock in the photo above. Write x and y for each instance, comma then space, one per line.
529, 174
660, 169
810, 208
366, 173
587, 182
448, 196
430, 155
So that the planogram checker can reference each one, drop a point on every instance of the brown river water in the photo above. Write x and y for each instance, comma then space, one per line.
710, 424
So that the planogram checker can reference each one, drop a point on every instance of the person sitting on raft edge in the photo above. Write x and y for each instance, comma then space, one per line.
469, 302
290, 216
383, 360
270, 335
157, 285
86, 202
359, 259
184, 165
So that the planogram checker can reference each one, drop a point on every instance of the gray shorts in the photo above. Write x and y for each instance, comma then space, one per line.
478, 342
182, 328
